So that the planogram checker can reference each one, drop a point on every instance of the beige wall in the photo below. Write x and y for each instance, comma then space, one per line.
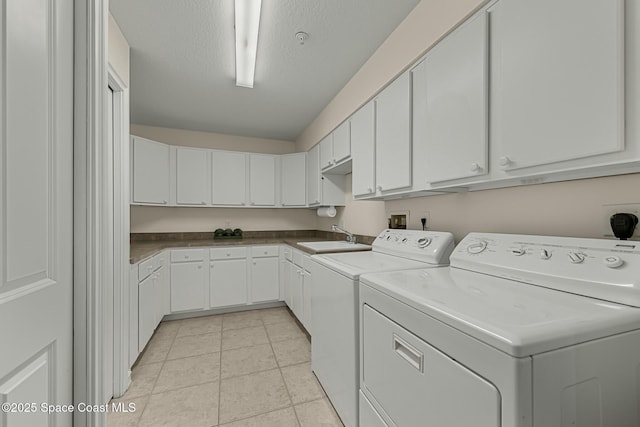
118, 51
429, 21
155, 219
571, 208
220, 141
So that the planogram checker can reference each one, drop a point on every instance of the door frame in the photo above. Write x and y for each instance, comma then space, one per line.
90, 132
120, 209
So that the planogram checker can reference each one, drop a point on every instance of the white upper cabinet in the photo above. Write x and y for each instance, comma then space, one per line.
293, 182
229, 178
341, 142
326, 152
262, 179
150, 172
192, 176
363, 132
335, 147
313, 176
557, 75
393, 136
450, 106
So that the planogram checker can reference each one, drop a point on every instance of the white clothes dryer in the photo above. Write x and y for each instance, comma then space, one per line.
520, 331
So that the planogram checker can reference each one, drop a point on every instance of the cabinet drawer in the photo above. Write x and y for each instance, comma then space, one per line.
288, 253
145, 268
159, 260
297, 258
228, 253
264, 251
186, 255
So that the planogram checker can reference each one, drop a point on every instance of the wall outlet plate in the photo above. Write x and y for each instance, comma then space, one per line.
608, 210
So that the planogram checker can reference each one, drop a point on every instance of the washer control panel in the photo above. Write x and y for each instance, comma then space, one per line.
429, 246
604, 269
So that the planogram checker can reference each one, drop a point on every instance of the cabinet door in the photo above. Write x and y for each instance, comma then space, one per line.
134, 309
150, 172
192, 176
295, 282
326, 152
228, 283
556, 80
313, 176
163, 299
287, 275
262, 180
393, 136
455, 92
187, 286
229, 178
265, 285
342, 142
293, 179
146, 310
306, 301
363, 150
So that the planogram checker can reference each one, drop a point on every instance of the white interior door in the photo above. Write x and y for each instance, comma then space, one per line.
36, 211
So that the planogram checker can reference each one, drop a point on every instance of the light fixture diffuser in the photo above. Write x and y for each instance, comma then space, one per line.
247, 25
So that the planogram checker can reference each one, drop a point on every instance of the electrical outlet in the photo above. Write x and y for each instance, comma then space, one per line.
428, 217
608, 210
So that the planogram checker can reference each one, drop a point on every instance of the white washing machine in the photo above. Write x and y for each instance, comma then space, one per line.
334, 305
519, 331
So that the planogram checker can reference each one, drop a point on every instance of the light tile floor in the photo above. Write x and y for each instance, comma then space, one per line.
246, 369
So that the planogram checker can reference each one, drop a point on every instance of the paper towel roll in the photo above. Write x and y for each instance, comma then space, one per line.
326, 212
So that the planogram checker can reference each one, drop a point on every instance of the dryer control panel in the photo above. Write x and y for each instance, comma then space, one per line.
433, 247
603, 269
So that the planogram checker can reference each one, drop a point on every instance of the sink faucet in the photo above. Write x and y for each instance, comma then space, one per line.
351, 238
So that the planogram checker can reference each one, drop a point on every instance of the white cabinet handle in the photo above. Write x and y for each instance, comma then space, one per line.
203, 202
379, 187
369, 190
199, 266
252, 204
254, 263
186, 256
243, 203
212, 265
475, 167
164, 202
505, 161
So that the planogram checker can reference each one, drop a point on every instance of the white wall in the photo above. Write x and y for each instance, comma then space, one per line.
118, 50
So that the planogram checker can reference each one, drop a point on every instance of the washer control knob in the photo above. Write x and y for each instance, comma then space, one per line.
613, 261
389, 237
405, 240
576, 257
545, 253
477, 247
518, 251
423, 242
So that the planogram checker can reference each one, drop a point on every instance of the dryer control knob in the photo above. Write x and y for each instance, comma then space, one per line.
545, 253
576, 257
423, 242
613, 261
518, 251
477, 247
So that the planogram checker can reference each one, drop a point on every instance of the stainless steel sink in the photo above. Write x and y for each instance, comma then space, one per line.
334, 246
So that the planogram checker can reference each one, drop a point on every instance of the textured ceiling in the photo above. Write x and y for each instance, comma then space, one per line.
183, 61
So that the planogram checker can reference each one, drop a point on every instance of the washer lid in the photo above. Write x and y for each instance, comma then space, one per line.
353, 264
516, 318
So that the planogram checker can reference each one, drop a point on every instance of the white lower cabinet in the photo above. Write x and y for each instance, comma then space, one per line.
146, 311
297, 294
265, 281
188, 280
151, 300
228, 283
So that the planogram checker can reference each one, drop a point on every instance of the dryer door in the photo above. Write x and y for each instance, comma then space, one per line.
415, 384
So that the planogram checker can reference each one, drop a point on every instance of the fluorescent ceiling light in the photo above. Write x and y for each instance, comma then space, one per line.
247, 25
